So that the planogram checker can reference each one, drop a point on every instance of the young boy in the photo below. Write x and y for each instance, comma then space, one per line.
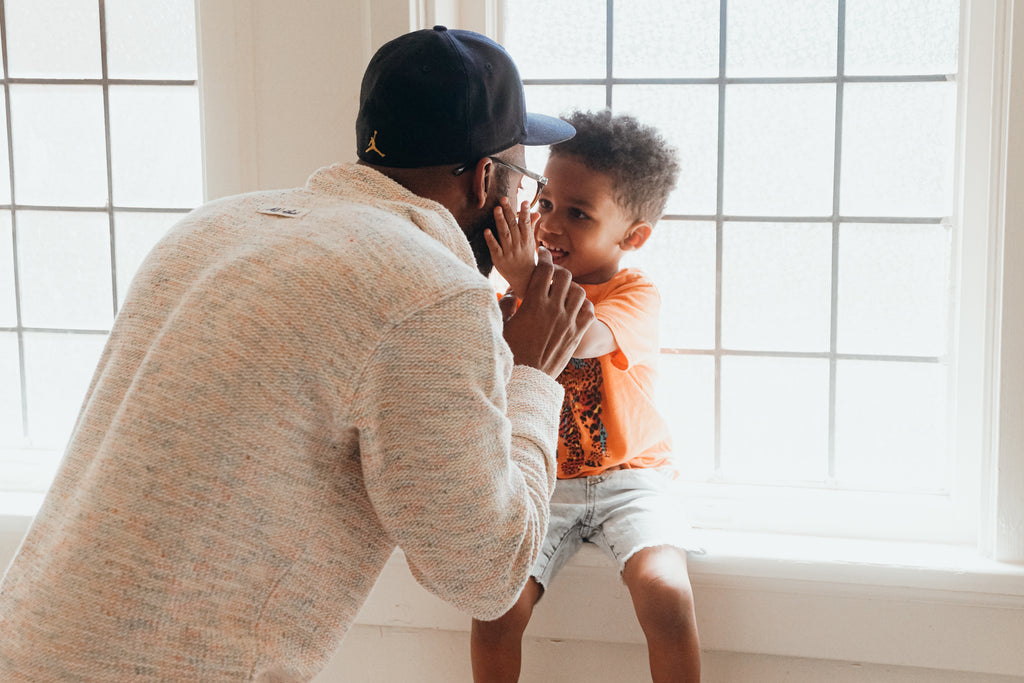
607, 188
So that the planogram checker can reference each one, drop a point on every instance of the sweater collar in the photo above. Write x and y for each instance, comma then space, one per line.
361, 184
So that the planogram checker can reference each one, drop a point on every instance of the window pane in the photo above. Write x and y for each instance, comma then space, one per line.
792, 38
58, 368
776, 286
894, 289
686, 398
60, 156
774, 419
135, 234
779, 142
64, 263
5, 167
898, 149
151, 39
157, 170
53, 38
890, 425
559, 100
901, 37
680, 258
666, 38
687, 115
8, 311
536, 37
10, 392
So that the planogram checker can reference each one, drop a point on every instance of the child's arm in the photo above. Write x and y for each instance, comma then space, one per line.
514, 256
598, 340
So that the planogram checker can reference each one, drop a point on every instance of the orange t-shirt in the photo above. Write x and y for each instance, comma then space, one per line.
608, 416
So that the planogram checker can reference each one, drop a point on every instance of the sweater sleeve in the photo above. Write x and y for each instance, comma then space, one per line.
458, 452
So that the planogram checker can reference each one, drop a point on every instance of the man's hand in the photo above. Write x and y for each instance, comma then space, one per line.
514, 255
551, 319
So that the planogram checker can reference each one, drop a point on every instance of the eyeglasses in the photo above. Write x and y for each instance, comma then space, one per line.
537, 178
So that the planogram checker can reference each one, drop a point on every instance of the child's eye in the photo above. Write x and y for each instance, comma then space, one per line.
576, 213
543, 204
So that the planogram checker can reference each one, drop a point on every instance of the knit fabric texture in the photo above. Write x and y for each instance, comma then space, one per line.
298, 381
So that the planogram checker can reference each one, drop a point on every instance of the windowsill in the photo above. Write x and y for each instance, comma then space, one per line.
956, 569
884, 602
900, 604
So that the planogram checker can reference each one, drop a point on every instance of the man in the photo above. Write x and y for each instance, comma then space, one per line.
299, 381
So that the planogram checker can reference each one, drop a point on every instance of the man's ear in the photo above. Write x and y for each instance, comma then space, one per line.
637, 234
481, 180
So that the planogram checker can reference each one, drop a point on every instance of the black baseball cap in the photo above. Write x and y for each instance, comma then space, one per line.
445, 96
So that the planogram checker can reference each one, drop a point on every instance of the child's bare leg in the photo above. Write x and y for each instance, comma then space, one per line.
660, 587
496, 647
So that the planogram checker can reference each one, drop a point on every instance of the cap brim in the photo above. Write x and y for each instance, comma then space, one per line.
546, 130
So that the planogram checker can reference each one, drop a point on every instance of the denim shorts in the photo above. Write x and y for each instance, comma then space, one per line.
621, 511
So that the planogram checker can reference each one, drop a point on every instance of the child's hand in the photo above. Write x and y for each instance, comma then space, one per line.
515, 255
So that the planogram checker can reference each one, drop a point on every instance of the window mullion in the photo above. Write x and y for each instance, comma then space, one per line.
14, 225
836, 188
106, 138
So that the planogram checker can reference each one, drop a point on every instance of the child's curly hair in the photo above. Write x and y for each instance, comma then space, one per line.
642, 165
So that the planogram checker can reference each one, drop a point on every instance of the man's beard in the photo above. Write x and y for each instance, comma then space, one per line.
475, 234
476, 242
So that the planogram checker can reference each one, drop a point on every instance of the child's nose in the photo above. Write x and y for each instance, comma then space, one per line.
547, 226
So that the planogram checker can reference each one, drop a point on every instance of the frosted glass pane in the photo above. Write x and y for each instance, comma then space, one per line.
564, 39
779, 150
149, 169
151, 39
666, 38
58, 369
10, 392
894, 289
687, 115
559, 100
890, 425
64, 263
8, 312
60, 157
776, 286
5, 168
774, 419
680, 258
792, 38
901, 37
135, 234
898, 149
53, 38
685, 396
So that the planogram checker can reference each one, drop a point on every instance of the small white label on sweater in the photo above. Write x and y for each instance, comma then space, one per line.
283, 211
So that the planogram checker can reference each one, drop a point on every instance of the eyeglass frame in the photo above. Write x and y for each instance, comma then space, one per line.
541, 180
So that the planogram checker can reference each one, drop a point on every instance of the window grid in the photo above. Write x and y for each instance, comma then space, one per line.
721, 219
20, 329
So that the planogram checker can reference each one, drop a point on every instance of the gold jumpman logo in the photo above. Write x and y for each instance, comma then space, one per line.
373, 145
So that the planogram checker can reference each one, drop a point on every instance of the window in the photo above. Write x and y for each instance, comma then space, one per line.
101, 136
808, 260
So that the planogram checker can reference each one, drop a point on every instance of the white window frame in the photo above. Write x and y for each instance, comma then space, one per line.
984, 484
35, 464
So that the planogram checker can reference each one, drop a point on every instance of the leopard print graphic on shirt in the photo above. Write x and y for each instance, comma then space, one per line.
581, 412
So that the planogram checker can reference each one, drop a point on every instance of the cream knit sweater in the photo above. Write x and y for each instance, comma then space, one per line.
298, 381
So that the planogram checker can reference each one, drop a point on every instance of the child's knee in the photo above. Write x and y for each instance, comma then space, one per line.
660, 587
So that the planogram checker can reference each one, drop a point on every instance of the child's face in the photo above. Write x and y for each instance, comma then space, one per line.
580, 223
